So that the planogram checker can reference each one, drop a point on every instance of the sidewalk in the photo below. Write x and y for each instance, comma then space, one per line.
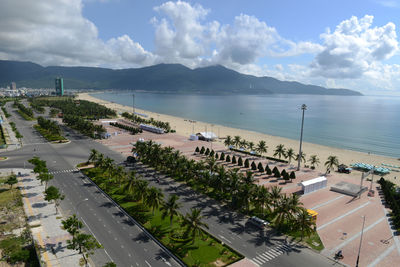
11, 140
45, 224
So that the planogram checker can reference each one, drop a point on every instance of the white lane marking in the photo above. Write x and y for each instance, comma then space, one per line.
108, 255
222, 237
147, 263
342, 216
382, 256
255, 262
356, 235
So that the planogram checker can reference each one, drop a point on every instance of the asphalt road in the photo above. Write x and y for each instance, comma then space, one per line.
125, 243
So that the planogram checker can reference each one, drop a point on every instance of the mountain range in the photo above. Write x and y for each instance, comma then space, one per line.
158, 78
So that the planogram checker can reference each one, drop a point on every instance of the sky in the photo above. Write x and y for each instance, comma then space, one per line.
336, 44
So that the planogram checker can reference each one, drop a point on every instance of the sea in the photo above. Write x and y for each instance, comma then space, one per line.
368, 124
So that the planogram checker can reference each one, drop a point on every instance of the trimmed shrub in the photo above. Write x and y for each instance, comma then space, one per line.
260, 167
253, 166
202, 150
212, 153
268, 170
216, 156
286, 177
277, 174
240, 161
274, 169
228, 158
234, 160
207, 152
292, 175
246, 163
222, 156
197, 149
283, 172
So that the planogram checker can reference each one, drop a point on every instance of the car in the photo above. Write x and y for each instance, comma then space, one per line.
260, 223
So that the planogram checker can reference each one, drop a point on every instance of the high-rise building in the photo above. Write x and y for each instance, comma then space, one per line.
59, 86
13, 86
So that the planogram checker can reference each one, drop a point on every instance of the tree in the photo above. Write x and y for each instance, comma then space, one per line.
253, 166
170, 208
222, 157
197, 150
228, 158
12, 180
85, 244
268, 170
286, 177
234, 160
261, 147
93, 155
246, 163
290, 154
216, 156
154, 198
250, 145
110, 264
240, 161
304, 222
53, 194
331, 162
243, 143
275, 195
260, 167
314, 160
279, 151
283, 172
303, 157
228, 141
202, 150
292, 175
207, 152
45, 177
193, 223
72, 225
277, 174
212, 153
236, 141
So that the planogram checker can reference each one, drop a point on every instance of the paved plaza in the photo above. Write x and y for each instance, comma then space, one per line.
339, 219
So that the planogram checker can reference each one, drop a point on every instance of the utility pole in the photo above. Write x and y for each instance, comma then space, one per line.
133, 106
303, 108
359, 248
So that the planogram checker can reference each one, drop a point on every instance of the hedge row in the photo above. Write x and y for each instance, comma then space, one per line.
392, 197
131, 129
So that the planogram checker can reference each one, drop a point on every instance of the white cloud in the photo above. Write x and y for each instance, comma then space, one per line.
354, 48
55, 32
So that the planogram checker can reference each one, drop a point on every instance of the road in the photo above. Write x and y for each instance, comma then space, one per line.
126, 243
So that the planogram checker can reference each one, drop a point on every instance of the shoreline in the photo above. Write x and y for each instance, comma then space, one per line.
185, 127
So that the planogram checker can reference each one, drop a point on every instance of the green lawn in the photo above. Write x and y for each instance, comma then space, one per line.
204, 251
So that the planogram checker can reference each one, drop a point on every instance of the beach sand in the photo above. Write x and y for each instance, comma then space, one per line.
185, 127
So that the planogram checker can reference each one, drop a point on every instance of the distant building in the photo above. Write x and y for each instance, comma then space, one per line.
59, 86
13, 86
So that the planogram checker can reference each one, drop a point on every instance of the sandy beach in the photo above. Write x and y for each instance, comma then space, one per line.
185, 127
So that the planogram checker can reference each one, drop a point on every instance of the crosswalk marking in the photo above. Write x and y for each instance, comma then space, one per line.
64, 171
271, 253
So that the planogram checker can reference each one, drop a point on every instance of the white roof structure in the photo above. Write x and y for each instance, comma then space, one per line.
314, 181
209, 135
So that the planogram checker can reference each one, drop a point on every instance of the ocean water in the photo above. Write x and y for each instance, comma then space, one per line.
360, 123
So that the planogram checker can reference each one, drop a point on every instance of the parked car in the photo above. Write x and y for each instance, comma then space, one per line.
260, 223
344, 169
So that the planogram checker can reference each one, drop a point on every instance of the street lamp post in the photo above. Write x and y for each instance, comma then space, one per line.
359, 248
133, 106
303, 108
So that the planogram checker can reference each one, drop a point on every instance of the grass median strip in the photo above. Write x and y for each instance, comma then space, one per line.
182, 235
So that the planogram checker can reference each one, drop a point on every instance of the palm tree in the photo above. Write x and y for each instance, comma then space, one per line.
304, 222
236, 141
250, 145
279, 151
99, 161
314, 160
303, 156
275, 195
248, 179
193, 223
154, 198
170, 208
93, 155
290, 154
228, 141
211, 163
331, 162
263, 199
243, 143
261, 147
140, 191
283, 212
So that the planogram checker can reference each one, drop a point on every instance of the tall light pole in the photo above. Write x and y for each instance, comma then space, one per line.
359, 248
303, 108
133, 106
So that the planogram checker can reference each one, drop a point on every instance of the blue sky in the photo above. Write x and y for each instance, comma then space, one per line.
338, 44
